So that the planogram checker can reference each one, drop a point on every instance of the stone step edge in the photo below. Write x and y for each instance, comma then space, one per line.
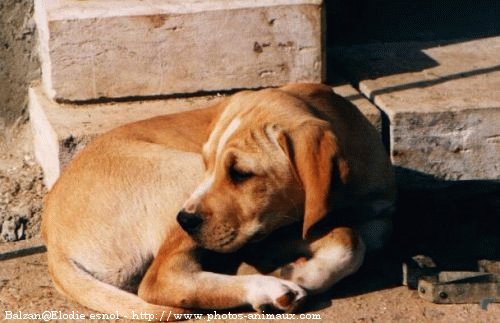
61, 130
161, 53
104, 9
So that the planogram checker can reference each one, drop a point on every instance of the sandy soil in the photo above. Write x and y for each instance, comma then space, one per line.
21, 187
366, 297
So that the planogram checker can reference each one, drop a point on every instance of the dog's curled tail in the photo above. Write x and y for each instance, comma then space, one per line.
79, 285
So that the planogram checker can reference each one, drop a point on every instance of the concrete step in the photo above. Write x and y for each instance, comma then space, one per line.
62, 129
93, 49
442, 101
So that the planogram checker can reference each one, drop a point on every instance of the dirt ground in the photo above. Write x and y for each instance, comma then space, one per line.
25, 286
21, 188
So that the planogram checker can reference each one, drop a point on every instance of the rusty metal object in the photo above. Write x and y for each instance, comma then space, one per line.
489, 266
417, 267
450, 287
453, 287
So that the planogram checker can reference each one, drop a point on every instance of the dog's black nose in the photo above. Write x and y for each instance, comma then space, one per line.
190, 222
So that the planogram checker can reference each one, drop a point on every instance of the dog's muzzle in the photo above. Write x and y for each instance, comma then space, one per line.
190, 222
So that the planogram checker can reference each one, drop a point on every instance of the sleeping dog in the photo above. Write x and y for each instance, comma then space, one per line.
130, 221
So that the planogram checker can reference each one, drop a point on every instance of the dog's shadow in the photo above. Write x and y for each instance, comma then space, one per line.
454, 223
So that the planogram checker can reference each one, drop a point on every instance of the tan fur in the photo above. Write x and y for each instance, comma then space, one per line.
257, 162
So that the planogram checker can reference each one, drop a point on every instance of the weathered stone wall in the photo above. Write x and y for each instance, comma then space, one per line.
18, 62
21, 187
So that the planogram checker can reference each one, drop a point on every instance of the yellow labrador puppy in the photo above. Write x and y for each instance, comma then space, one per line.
135, 220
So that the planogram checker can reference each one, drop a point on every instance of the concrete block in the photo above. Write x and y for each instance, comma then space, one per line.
93, 49
442, 102
61, 130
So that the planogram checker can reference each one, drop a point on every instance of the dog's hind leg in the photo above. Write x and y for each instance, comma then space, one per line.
79, 285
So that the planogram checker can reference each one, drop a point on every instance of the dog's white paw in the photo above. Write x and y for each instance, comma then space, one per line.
308, 275
326, 268
267, 293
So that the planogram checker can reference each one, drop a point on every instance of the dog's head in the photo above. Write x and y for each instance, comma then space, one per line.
268, 164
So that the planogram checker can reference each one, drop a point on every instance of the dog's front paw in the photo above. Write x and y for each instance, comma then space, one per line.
266, 294
308, 275
289, 271
318, 274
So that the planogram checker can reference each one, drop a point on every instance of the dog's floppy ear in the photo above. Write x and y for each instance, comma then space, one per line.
311, 148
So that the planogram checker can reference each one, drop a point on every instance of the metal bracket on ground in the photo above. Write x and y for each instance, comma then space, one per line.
459, 287
453, 287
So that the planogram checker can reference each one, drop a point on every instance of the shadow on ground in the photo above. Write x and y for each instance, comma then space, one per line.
456, 223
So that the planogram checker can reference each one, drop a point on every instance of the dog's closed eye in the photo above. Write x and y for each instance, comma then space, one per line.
238, 175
